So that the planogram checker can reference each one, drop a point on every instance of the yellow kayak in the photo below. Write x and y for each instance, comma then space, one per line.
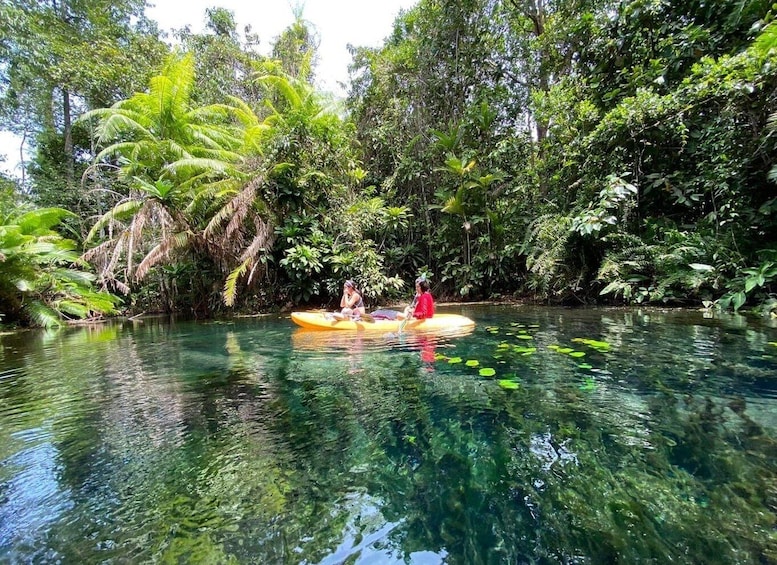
324, 321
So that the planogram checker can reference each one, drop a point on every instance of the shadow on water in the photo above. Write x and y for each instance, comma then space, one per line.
543, 436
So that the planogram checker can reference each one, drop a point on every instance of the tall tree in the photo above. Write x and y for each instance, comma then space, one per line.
225, 61
61, 57
297, 49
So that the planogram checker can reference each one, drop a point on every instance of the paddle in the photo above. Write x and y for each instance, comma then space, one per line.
404, 322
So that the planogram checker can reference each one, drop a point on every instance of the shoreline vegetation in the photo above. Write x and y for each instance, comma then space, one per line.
568, 164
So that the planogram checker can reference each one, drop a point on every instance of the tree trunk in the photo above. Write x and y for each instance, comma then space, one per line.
68, 134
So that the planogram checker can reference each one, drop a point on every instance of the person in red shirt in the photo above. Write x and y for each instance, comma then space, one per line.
423, 303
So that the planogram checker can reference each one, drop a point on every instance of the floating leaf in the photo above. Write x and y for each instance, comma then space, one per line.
588, 385
508, 384
472, 363
774, 343
524, 337
598, 345
565, 350
585, 366
454, 360
487, 372
577, 354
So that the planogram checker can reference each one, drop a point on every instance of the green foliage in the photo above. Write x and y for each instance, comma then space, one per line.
548, 243
618, 195
512, 148
58, 59
641, 272
42, 280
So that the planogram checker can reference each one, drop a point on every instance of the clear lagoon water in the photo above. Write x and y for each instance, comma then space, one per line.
544, 435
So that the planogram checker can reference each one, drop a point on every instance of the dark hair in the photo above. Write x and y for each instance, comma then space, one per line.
349, 283
423, 283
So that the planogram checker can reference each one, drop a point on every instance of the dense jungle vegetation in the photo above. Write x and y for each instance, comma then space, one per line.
568, 151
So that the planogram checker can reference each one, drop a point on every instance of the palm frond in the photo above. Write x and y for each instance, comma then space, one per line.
264, 237
51, 253
74, 276
230, 285
99, 253
206, 194
285, 88
193, 165
109, 269
37, 222
241, 205
73, 308
121, 211
160, 252
42, 314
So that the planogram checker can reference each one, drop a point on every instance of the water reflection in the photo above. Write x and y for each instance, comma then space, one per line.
602, 436
363, 348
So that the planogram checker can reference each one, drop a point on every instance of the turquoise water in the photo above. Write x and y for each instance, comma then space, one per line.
602, 436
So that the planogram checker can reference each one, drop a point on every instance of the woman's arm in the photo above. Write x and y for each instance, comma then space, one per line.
352, 299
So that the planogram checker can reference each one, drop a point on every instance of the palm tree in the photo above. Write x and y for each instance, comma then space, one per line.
169, 151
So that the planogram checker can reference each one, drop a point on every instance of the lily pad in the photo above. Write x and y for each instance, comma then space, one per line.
454, 360
487, 372
585, 366
598, 345
588, 385
508, 384
472, 363
577, 354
